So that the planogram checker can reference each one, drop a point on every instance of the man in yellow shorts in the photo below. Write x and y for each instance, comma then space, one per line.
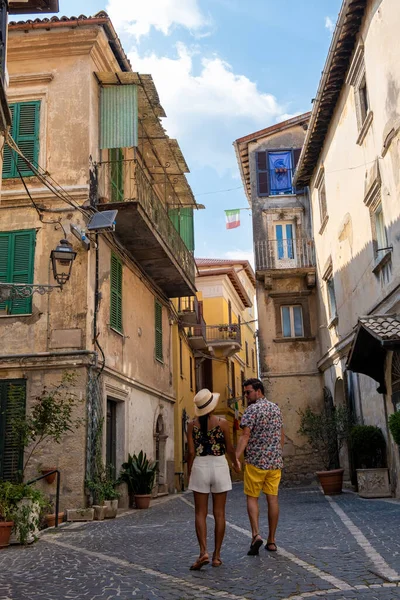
262, 440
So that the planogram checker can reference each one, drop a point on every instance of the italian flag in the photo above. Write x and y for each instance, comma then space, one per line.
232, 218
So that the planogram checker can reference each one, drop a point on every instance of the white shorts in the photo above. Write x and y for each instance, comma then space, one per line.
210, 474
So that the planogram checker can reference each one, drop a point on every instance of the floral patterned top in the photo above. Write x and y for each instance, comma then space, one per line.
264, 419
212, 445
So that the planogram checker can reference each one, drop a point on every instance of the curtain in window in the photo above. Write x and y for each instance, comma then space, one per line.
280, 172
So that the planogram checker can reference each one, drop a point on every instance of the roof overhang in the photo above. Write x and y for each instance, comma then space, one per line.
234, 279
368, 351
330, 87
28, 7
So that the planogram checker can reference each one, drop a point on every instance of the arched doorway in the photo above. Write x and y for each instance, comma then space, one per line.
161, 485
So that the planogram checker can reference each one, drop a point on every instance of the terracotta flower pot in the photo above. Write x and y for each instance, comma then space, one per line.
5, 533
51, 519
50, 478
142, 500
331, 481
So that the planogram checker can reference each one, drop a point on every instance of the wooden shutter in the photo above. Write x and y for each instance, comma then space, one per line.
186, 227
158, 331
117, 175
25, 131
22, 259
4, 254
116, 293
12, 406
17, 250
296, 156
262, 174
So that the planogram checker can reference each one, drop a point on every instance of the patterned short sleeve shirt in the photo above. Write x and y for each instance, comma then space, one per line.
264, 419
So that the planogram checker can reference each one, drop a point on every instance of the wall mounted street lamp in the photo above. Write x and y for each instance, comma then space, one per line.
61, 259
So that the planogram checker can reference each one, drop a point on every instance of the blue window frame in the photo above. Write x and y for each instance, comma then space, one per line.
284, 241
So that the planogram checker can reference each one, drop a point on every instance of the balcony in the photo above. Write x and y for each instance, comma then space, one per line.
144, 227
291, 256
188, 311
197, 336
224, 340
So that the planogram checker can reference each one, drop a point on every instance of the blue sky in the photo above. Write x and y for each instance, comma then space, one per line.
223, 69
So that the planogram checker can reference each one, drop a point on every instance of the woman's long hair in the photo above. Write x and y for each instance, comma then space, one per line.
203, 420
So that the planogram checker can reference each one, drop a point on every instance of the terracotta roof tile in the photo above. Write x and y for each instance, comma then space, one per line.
385, 327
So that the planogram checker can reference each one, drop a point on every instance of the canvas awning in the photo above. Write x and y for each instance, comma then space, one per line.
373, 337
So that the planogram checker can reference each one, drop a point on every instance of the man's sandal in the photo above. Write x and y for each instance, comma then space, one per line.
271, 546
200, 562
255, 545
216, 562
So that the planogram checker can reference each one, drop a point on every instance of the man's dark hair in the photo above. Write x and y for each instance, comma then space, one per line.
256, 384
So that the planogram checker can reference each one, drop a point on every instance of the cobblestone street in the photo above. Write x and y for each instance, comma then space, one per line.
339, 547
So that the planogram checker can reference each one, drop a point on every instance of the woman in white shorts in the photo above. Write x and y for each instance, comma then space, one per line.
208, 441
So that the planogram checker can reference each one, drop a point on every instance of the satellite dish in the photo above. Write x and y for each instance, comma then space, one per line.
103, 221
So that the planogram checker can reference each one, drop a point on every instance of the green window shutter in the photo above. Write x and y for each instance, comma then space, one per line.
186, 228
17, 251
12, 406
4, 256
159, 332
116, 293
182, 219
119, 116
25, 131
117, 174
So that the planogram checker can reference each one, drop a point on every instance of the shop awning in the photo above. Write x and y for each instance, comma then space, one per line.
373, 337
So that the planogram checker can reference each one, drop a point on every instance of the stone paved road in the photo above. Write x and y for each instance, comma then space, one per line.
337, 548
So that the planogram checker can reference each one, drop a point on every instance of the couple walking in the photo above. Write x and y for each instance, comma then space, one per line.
209, 440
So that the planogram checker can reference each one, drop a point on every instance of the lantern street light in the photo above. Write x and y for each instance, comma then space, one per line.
61, 259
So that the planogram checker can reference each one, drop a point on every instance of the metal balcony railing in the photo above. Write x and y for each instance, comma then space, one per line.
285, 254
127, 181
223, 333
198, 330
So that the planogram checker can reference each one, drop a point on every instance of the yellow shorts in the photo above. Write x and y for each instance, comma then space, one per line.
257, 480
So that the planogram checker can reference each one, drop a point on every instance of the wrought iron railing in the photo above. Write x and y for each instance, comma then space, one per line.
198, 330
285, 254
224, 332
127, 181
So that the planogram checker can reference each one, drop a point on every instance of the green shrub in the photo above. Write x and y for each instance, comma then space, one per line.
394, 426
369, 447
139, 474
26, 518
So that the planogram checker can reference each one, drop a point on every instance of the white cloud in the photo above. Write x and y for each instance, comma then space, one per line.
329, 24
139, 17
207, 107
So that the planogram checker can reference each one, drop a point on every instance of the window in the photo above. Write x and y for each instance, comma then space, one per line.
253, 360
191, 372
12, 406
117, 174
25, 131
233, 381
17, 249
159, 331
380, 231
292, 321
247, 353
275, 170
229, 312
331, 299
284, 241
180, 357
323, 211
357, 79
116, 293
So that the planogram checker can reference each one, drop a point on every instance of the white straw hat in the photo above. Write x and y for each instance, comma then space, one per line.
204, 402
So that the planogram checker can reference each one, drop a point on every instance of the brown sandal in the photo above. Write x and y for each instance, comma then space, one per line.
216, 562
200, 562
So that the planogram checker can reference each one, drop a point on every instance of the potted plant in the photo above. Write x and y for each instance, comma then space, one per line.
111, 496
6, 515
394, 426
139, 474
50, 517
49, 478
23, 505
326, 431
368, 446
